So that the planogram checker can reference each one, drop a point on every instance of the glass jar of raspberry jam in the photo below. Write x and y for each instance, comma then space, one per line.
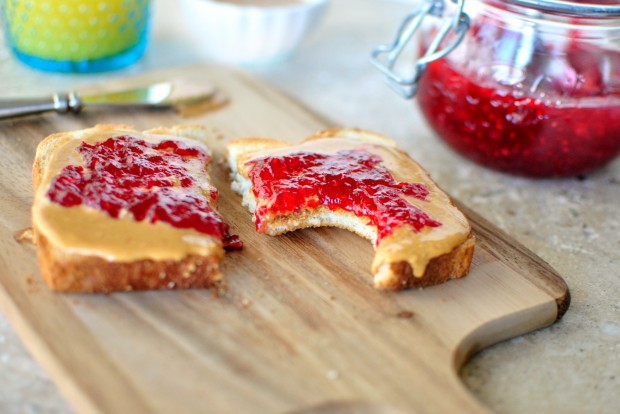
528, 87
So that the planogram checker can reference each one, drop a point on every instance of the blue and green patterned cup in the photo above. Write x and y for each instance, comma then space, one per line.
77, 35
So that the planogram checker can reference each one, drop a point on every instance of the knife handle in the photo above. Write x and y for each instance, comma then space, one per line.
59, 102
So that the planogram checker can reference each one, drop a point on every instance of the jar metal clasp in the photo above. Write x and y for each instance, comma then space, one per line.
384, 57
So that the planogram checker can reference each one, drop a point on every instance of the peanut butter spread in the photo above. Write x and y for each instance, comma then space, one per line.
85, 230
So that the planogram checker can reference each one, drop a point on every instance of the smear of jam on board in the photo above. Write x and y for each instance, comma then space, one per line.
151, 182
353, 180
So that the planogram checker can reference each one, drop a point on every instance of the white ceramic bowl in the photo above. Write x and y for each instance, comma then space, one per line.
245, 33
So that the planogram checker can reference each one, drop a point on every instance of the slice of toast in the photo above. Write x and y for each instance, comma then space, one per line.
116, 209
359, 181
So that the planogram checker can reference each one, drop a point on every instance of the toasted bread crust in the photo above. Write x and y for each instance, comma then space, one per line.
65, 272
353, 133
452, 265
68, 271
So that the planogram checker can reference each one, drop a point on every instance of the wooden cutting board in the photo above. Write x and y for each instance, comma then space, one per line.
300, 330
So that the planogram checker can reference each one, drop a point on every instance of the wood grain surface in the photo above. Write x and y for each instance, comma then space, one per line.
300, 328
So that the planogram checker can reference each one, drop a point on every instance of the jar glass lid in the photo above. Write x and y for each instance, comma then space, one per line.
579, 9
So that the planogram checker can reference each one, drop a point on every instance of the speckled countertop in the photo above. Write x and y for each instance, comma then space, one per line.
574, 224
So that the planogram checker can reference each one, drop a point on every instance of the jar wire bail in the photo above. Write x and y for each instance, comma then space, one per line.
385, 57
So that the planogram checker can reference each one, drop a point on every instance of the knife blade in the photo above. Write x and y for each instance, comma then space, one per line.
156, 95
151, 95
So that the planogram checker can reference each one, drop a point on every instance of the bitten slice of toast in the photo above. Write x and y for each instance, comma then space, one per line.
359, 181
116, 209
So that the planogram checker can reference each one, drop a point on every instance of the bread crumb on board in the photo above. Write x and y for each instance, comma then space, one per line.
405, 314
24, 236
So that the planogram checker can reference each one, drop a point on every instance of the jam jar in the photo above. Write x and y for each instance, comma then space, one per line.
528, 87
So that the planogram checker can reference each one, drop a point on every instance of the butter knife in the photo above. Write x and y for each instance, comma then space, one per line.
154, 95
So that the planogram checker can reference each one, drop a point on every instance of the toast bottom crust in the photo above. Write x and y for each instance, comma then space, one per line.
452, 265
90, 274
